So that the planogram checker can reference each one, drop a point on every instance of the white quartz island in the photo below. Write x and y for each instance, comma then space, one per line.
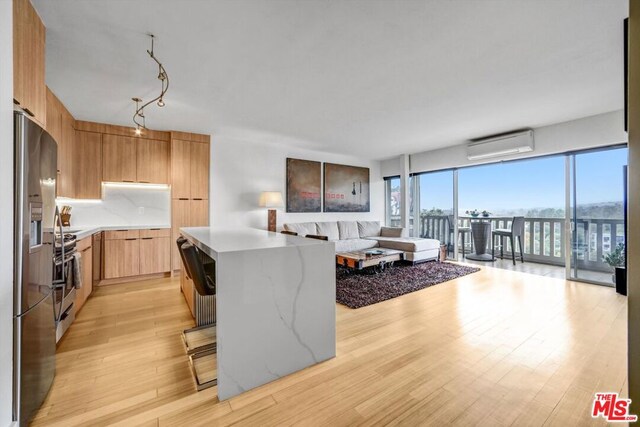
275, 303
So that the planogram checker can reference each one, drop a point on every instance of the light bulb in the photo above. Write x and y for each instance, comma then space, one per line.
160, 103
138, 131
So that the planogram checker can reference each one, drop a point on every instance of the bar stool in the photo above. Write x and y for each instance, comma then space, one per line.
462, 231
201, 340
516, 231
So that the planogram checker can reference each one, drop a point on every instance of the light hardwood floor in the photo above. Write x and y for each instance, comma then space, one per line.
493, 348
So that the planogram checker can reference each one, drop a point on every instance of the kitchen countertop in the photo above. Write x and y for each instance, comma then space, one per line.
214, 241
275, 304
86, 231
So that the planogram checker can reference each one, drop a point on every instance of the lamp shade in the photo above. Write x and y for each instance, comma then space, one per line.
271, 199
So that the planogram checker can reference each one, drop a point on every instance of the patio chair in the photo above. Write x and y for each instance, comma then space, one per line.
462, 231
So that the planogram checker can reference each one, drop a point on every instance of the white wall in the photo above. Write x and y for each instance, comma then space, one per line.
242, 169
585, 133
6, 201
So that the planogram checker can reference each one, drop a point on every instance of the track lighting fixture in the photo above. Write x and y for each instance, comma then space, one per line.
138, 117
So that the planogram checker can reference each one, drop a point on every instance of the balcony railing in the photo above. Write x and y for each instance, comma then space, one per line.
544, 238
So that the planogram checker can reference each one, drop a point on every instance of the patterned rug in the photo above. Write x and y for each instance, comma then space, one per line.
357, 290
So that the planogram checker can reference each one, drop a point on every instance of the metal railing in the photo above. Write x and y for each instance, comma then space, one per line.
543, 238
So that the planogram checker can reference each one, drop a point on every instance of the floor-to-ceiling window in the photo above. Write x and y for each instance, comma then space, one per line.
597, 213
591, 201
392, 201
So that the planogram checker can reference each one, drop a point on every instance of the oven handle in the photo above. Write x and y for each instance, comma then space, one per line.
58, 219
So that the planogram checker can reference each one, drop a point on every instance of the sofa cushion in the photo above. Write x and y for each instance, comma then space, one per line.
407, 244
392, 232
351, 245
348, 230
302, 228
368, 228
329, 229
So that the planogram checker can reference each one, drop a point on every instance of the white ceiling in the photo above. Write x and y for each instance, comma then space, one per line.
371, 78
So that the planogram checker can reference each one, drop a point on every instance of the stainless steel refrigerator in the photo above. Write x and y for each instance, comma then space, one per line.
36, 223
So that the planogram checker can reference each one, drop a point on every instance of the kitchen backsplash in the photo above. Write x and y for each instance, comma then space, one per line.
124, 205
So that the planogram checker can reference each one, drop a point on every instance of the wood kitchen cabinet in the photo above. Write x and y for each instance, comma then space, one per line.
121, 254
29, 34
179, 218
131, 159
87, 165
153, 161
155, 254
186, 213
180, 166
85, 249
60, 124
189, 169
119, 155
130, 253
199, 170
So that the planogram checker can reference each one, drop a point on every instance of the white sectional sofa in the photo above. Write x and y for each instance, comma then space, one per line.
350, 236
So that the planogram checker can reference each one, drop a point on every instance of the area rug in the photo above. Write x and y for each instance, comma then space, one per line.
357, 290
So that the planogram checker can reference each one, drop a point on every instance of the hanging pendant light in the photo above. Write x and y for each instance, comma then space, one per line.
138, 116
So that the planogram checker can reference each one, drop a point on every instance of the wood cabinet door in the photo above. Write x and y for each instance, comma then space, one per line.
199, 212
29, 89
153, 161
119, 158
87, 165
155, 255
180, 169
54, 118
87, 277
20, 43
180, 217
38, 88
121, 258
65, 156
199, 170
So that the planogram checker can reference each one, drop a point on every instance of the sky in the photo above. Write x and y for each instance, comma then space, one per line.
526, 184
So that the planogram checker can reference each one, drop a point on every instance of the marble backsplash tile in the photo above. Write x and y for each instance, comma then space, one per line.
123, 204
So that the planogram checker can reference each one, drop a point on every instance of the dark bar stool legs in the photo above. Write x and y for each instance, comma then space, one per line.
200, 341
515, 232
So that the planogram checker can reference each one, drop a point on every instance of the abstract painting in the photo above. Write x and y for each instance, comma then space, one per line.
346, 188
303, 185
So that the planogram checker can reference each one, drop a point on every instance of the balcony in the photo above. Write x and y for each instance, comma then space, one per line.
544, 248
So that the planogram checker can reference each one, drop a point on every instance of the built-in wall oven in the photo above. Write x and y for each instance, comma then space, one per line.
64, 290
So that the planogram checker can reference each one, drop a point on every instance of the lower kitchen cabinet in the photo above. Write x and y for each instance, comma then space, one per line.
121, 258
155, 255
129, 253
85, 249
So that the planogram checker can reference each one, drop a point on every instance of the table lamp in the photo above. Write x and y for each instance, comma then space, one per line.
271, 200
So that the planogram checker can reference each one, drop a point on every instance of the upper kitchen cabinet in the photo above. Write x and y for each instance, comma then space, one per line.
180, 169
189, 169
87, 165
60, 125
29, 90
153, 161
199, 170
119, 155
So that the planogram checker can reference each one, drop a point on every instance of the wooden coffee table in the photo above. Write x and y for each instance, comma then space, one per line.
360, 260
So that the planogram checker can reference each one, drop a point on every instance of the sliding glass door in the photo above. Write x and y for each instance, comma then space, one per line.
597, 213
434, 201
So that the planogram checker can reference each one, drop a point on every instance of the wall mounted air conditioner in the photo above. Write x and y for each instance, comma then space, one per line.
501, 145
